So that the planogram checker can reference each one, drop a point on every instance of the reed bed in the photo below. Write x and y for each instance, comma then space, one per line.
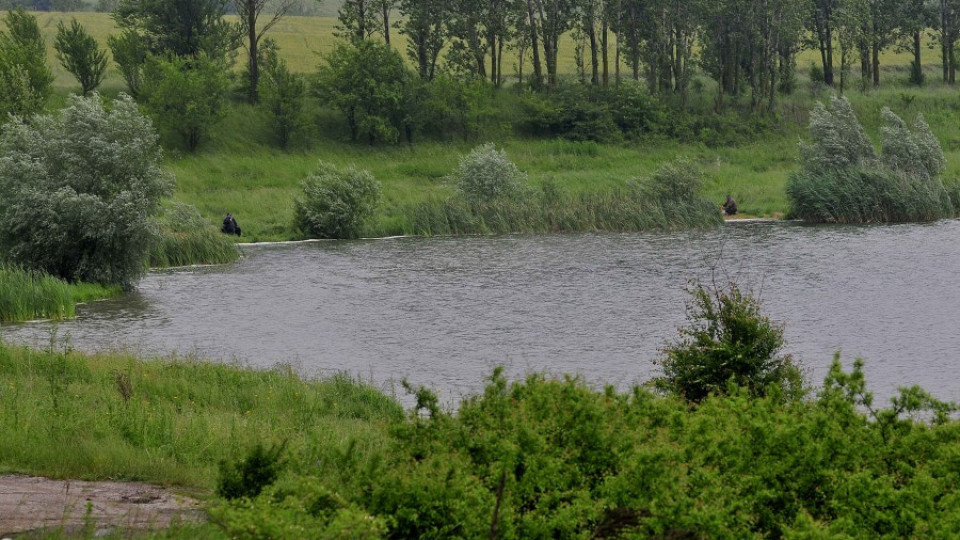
26, 295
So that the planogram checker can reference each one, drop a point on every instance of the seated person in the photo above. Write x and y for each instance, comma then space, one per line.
730, 206
230, 225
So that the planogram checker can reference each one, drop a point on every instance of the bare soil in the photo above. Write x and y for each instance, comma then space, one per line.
33, 504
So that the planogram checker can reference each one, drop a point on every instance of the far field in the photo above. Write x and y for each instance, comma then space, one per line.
239, 170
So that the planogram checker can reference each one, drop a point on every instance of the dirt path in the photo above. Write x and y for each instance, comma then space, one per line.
29, 503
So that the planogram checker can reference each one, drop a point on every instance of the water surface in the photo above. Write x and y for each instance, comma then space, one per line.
444, 311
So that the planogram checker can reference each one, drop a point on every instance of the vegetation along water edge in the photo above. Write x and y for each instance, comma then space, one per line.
728, 442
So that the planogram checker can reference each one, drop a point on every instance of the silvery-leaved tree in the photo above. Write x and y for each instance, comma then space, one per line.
78, 190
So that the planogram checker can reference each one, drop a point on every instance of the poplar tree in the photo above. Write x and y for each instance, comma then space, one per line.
250, 12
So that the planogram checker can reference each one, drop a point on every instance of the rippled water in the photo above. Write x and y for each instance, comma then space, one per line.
444, 311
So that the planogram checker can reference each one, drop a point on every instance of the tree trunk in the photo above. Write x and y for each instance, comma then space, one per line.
386, 23
876, 64
828, 67
254, 64
594, 55
604, 31
917, 65
535, 46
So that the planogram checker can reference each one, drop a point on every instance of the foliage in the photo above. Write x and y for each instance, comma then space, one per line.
368, 83
77, 191
130, 53
25, 78
78, 53
186, 238
486, 175
180, 28
843, 180
334, 203
185, 95
248, 476
727, 343
667, 200
283, 95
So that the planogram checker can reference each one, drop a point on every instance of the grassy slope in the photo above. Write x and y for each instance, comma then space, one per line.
169, 421
240, 171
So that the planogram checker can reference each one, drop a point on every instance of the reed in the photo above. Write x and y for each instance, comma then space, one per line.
26, 295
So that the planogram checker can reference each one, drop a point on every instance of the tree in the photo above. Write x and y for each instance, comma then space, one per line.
368, 82
249, 12
821, 22
358, 20
283, 94
25, 78
425, 25
727, 341
185, 95
180, 27
78, 54
948, 32
130, 54
78, 189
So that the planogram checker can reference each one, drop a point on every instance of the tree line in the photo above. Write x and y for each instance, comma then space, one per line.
176, 57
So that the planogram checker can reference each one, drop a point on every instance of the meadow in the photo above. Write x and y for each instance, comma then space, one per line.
240, 170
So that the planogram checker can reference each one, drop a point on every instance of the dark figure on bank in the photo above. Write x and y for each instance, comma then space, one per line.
729, 207
230, 225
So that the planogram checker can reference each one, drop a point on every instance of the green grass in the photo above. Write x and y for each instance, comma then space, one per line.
170, 421
27, 295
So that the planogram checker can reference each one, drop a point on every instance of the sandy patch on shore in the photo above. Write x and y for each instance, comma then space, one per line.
30, 503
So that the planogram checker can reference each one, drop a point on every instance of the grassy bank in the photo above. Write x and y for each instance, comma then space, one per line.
536, 458
169, 421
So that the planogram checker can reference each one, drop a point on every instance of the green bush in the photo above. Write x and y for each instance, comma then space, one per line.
247, 477
843, 179
78, 190
335, 204
486, 175
727, 341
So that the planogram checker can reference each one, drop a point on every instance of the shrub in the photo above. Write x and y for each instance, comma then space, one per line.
842, 179
727, 341
248, 476
77, 191
486, 175
335, 204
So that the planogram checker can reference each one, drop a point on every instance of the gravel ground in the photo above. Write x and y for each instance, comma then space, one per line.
29, 503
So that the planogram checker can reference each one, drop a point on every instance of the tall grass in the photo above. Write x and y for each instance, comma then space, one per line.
27, 295
170, 421
187, 238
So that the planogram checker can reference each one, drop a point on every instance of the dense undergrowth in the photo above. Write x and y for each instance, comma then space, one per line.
541, 457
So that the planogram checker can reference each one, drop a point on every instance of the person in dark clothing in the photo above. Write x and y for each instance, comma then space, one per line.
730, 206
230, 225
